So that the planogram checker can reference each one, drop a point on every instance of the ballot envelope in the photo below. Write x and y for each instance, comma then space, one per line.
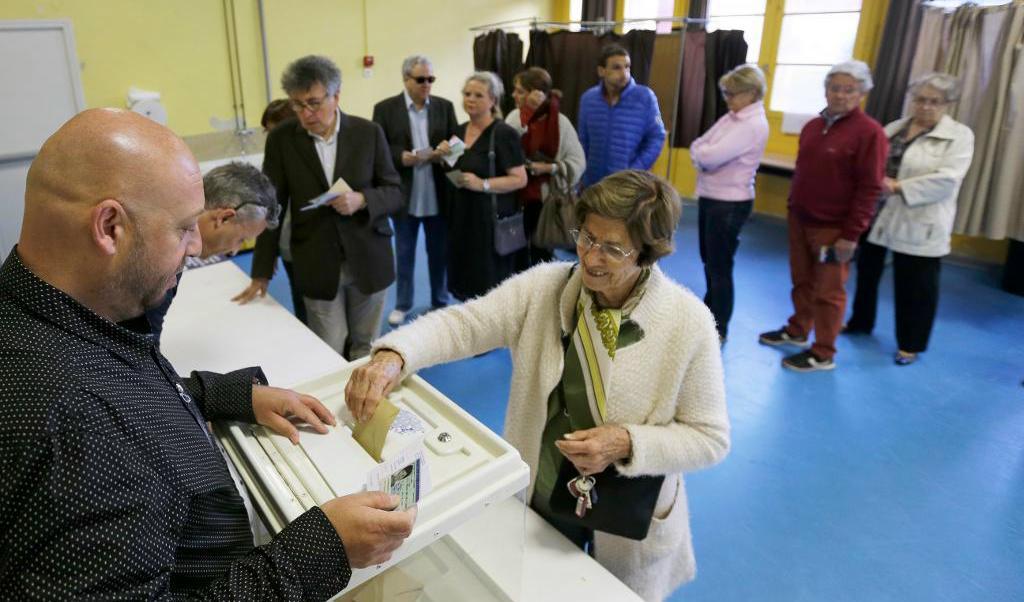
474, 476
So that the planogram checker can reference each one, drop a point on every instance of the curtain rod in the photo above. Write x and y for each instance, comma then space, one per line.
533, 22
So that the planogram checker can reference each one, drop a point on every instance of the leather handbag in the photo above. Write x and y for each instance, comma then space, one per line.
509, 231
623, 506
557, 214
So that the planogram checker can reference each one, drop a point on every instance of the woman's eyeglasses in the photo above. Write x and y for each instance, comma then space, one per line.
584, 242
424, 79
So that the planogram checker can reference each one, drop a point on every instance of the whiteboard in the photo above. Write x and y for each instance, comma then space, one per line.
42, 85
42, 89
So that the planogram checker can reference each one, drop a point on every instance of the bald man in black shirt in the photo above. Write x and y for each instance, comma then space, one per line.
110, 485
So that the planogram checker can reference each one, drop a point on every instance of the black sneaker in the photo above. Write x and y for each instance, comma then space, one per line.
805, 361
781, 337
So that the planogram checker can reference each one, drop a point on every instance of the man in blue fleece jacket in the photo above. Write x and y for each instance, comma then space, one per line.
620, 123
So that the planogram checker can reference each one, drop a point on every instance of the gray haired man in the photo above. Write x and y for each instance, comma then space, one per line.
416, 123
240, 204
341, 251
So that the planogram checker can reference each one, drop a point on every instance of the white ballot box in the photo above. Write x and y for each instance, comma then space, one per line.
469, 469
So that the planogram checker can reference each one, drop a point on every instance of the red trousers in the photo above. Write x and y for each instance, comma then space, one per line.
819, 289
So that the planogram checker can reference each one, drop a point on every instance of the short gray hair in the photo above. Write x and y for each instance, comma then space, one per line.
858, 70
242, 187
304, 73
494, 87
943, 82
410, 63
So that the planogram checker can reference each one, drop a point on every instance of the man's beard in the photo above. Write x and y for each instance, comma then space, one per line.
137, 287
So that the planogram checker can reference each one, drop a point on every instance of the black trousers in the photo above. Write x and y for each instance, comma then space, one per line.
531, 255
719, 225
916, 285
297, 301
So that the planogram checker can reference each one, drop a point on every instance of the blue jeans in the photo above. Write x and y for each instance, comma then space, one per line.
407, 229
719, 231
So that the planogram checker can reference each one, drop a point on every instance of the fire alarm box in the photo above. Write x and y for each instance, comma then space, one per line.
368, 61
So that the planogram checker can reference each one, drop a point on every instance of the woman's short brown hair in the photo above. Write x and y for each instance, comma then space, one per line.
648, 205
534, 78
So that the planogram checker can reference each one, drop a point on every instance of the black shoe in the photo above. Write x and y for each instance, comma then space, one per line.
805, 361
847, 329
781, 337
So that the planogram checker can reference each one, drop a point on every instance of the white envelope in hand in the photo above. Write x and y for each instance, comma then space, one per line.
458, 147
339, 188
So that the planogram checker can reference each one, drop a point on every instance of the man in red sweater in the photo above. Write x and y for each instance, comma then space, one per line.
836, 186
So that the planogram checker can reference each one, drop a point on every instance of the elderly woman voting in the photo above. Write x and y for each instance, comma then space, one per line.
616, 373
929, 154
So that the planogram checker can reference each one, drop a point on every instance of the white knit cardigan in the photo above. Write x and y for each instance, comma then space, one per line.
667, 390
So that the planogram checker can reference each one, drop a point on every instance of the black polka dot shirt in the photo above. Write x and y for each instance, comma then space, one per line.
110, 486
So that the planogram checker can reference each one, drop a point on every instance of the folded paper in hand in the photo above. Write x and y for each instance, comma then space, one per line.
458, 147
339, 188
455, 177
372, 434
423, 153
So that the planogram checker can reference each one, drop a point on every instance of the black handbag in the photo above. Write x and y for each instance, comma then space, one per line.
623, 506
509, 231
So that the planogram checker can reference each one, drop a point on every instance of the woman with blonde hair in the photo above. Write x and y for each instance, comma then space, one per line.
617, 385
491, 170
727, 157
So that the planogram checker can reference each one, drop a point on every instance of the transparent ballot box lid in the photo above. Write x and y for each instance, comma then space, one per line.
469, 470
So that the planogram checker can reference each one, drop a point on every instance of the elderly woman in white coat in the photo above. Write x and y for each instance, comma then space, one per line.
638, 349
929, 154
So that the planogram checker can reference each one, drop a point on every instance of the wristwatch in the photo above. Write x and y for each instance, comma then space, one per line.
487, 185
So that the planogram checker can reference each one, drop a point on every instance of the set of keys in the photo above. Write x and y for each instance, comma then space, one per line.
582, 488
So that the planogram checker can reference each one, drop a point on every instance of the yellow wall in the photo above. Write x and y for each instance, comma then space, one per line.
179, 47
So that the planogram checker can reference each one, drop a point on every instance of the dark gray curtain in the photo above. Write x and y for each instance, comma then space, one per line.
895, 58
571, 58
502, 53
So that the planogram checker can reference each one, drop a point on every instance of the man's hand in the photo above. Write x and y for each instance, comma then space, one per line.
845, 249
410, 159
372, 382
368, 527
348, 203
592, 450
256, 288
274, 406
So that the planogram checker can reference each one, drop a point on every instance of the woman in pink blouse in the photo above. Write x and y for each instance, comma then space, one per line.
726, 158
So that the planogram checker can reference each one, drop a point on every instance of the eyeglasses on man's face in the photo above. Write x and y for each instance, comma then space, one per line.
313, 105
585, 242
423, 79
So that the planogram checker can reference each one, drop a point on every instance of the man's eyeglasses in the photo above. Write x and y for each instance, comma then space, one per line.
312, 105
423, 79
584, 242
272, 216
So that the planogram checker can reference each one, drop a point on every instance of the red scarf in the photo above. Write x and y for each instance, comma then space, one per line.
541, 137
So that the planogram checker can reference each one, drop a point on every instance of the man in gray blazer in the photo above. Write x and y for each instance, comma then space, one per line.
341, 251
415, 123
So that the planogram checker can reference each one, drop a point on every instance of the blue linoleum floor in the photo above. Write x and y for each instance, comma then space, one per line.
869, 483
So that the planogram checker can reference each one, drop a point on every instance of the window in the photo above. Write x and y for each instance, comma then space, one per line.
815, 35
639, 9
575, 13
745, 15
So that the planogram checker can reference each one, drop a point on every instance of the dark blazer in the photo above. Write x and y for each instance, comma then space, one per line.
322, 238
392, 114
